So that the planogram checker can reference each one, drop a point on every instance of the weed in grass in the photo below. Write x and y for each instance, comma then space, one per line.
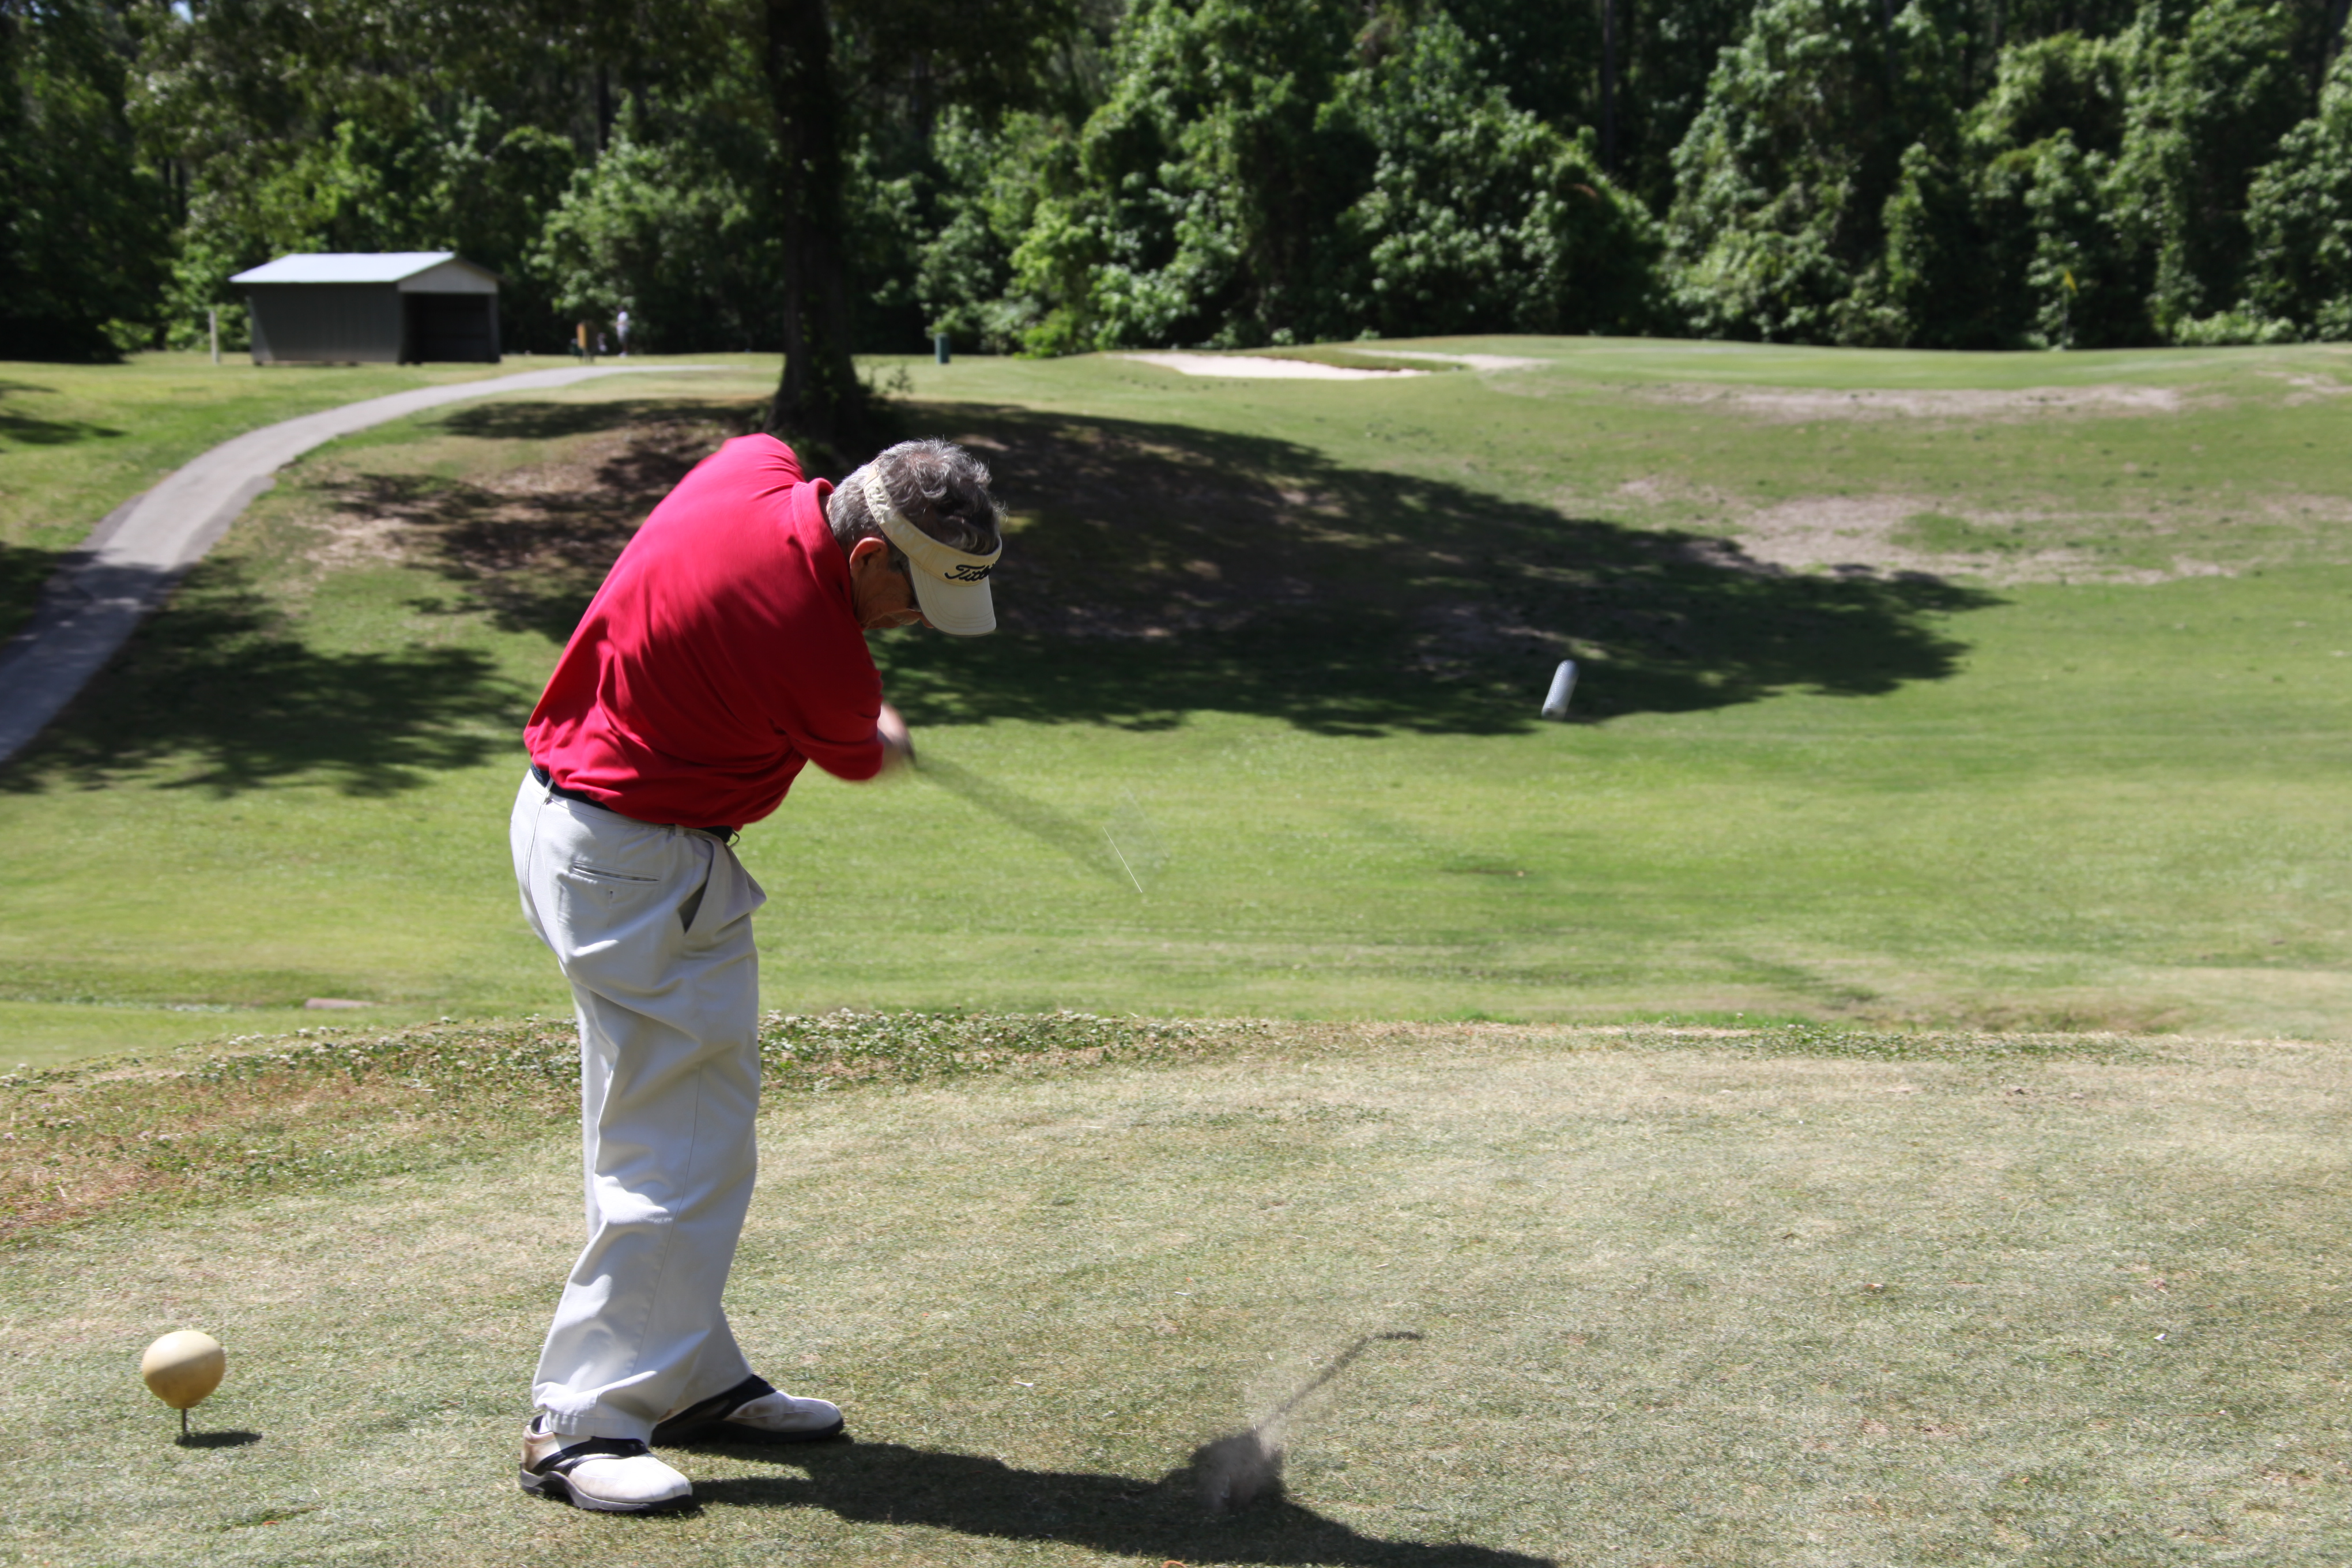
328, 1106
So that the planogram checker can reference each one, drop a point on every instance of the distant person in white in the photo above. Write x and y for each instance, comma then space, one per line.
621, 329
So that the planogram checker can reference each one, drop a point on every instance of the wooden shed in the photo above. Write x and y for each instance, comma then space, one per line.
385, 307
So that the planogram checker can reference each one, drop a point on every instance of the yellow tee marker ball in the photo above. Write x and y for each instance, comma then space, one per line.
181, 1368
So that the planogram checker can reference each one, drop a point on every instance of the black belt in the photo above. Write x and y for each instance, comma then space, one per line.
540, 775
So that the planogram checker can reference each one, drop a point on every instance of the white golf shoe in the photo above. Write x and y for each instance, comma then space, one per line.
606, 1475
751, 1412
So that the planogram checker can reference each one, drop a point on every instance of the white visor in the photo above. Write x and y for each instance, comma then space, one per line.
951, 585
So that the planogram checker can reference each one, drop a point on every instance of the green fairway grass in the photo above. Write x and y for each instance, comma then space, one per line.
1697, 1296
1917, 688
76, 441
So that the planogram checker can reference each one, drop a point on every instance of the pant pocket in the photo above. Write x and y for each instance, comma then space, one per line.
589, 896
617, 934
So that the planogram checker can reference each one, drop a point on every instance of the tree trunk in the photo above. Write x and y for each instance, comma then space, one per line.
819, 396
1608, 88
13, 192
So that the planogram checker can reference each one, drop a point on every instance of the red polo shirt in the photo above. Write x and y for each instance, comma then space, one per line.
720, 657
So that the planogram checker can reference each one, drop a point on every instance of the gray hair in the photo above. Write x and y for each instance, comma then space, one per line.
936, 485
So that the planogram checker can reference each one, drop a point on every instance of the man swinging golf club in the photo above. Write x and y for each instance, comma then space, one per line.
725, 651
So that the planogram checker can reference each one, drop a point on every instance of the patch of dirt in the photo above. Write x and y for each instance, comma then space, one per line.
1793, 404
531, 542
347, 541
1860, 535
1856, 534
2310, 388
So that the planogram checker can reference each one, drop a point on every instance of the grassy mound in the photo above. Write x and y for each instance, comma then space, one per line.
1919, 691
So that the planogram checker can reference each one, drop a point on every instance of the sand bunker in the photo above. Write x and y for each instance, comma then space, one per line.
1260, 367
1793, 404
1475, 361
1266, 366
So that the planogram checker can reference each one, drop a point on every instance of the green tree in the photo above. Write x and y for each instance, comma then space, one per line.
1670, 54
1193, 195
84, 225
673, 231
2088, 286
2299, 221
368, 125
1476, 215
1999, 239
825, 74
2207, 111
1264, 172
1545, 57
989, 181
1779, 225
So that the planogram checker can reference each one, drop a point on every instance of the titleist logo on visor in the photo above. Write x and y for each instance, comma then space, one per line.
934, 556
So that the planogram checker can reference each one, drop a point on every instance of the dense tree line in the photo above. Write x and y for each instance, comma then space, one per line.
1056, 176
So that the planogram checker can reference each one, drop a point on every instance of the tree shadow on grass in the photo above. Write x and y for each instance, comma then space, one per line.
532, 549
219, 685
35, 431
1156, 570
23, 571
888, 1483
529, 421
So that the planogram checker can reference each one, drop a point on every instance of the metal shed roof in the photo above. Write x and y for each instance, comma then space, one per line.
356, 267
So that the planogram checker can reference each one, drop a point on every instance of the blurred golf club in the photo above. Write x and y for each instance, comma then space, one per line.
1237, 1469
1095, 848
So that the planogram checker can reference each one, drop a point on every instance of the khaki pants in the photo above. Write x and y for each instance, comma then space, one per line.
653, 928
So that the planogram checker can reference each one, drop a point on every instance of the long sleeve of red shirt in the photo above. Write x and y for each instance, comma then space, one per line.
720, 657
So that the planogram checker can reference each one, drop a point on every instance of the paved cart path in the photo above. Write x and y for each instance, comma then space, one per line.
130, 561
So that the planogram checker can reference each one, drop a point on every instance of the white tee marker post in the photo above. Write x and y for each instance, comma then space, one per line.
1563, 685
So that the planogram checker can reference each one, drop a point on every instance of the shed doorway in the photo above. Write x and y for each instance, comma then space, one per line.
451, 327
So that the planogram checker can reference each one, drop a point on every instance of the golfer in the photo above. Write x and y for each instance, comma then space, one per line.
725, 651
